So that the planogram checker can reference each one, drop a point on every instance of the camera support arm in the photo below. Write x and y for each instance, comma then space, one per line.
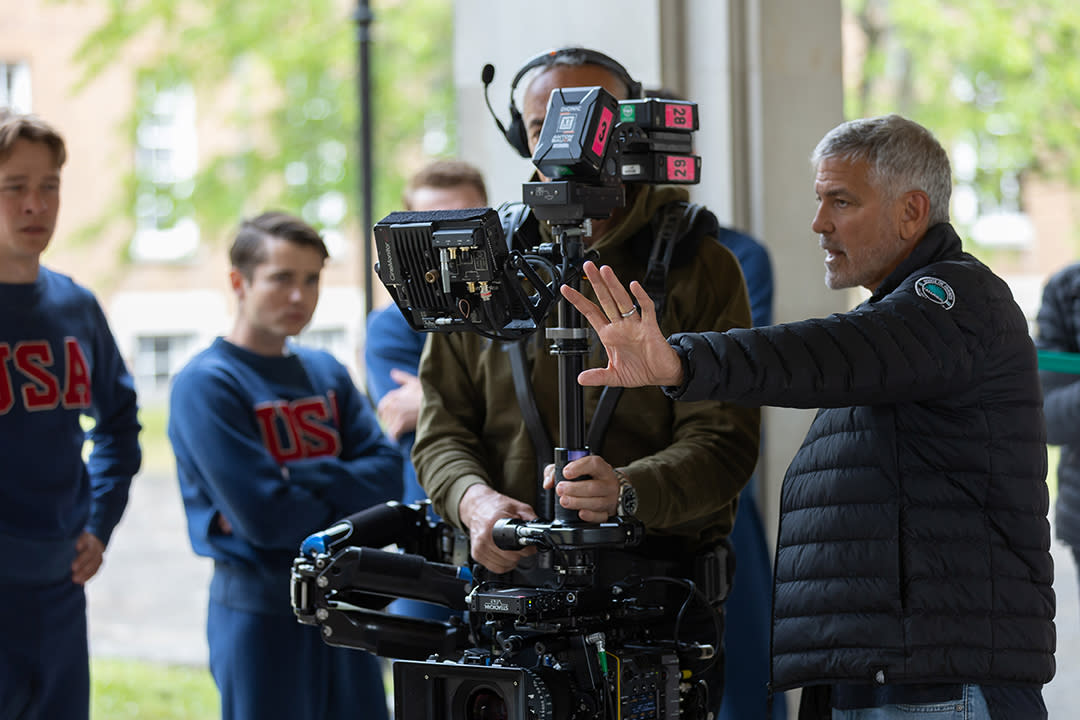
325, 592
341, 581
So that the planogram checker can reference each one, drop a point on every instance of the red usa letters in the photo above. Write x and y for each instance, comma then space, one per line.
42, 377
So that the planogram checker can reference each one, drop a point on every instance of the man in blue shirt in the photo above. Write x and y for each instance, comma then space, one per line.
392, 348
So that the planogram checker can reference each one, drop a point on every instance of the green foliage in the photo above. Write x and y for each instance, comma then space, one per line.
156, 450
131, 690
278, 81
998, 75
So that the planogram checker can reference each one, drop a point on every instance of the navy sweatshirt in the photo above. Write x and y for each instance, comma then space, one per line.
280, 447
58, 362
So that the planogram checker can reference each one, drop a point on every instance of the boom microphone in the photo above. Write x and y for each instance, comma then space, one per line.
486, 76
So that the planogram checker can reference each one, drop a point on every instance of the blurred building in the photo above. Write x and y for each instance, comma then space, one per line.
164, 283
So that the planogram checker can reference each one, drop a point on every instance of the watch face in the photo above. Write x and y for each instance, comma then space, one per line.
628, 499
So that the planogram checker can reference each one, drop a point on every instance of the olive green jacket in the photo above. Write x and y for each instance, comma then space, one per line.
687, 460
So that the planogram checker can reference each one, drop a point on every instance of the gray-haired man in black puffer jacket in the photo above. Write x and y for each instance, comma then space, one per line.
913, 569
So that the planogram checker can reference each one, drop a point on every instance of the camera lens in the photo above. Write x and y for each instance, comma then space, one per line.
485, 703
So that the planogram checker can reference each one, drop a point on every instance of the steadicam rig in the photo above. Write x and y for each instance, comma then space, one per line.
584, 628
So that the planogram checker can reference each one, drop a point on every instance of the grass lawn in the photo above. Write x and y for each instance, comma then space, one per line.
157, 453
133, 690
136, 690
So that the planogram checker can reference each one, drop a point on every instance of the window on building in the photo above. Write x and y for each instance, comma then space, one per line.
15, 86
165, 151
158, 357
330, 339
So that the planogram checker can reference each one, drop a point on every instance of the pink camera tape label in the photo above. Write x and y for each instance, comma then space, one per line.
680, 169
603, 130
677, 116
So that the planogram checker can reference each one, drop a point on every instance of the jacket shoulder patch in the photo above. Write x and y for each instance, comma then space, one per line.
935, 290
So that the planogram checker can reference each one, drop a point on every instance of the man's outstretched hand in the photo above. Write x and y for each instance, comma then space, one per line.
638, 353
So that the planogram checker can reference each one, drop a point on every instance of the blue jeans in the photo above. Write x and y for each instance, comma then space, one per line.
971, 707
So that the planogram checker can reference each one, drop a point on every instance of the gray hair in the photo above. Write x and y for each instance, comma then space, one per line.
902, 156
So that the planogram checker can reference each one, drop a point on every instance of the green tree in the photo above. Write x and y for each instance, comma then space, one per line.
280, 78
997, 78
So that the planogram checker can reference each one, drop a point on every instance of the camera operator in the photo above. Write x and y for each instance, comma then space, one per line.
686, 463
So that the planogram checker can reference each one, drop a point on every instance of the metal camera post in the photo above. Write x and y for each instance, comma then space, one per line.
570, 343
590, 144
569, 206
575, 150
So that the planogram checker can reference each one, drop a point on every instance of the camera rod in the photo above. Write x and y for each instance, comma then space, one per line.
570, 345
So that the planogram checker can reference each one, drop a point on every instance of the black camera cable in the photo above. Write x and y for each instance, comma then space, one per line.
694, 592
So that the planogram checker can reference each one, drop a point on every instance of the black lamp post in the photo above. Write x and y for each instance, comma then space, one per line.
363, 18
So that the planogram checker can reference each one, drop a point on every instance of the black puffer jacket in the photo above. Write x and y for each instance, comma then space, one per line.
914, 542
1059, 330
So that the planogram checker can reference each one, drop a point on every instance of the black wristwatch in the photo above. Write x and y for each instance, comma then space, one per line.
627, 506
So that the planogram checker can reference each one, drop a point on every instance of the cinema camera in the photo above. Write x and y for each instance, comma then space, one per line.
588, 629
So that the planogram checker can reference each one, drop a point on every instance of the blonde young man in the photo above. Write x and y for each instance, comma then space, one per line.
58, 361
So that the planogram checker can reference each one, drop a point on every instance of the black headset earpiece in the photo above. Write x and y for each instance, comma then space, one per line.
516, 133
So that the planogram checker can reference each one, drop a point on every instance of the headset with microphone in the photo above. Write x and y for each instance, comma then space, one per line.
517, 134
